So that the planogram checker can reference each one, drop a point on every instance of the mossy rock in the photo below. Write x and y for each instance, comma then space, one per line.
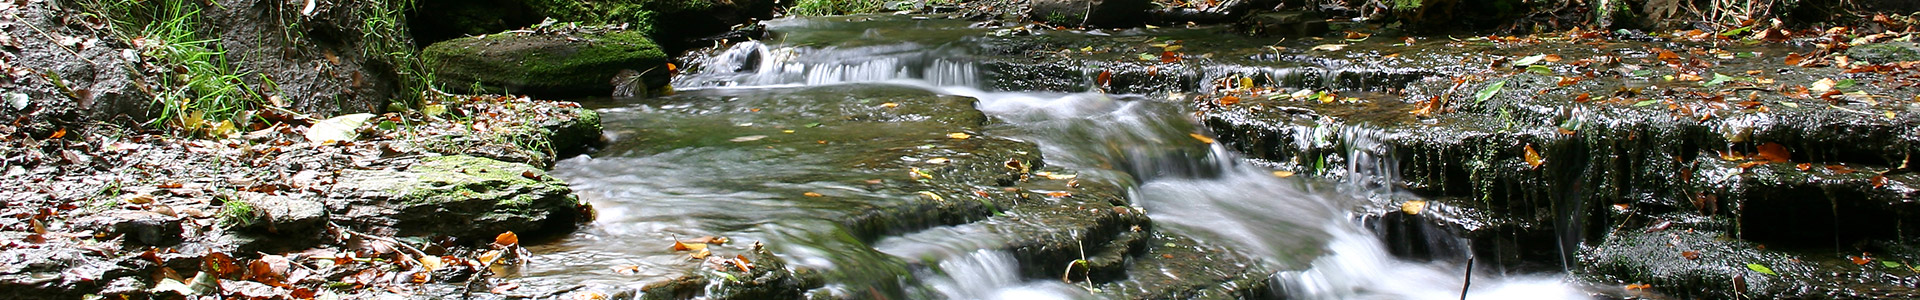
1885, 52
462, 196
547, 64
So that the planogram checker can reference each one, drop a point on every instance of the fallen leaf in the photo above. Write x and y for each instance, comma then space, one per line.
1690, 255
679, 246
959, 135
1330, 47
530, 175
1413, 207
1229, 100
1533, 157
742, 262
1282, 174
626, 270
1879, 181
702, 254
1840, 169
1203, 139
812, 194
1822, 86
749, 138
1105, 78
1488, 92
1804, 166
504, 287
709, 240
1638, 286
341, 128
1772, 152
506, 239
1860, 260
1761, 268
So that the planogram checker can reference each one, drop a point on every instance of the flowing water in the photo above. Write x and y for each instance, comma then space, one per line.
702, 163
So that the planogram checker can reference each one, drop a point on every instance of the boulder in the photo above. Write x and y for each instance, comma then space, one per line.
137, 226
1885, 52
462, 196
550, 64
1101, 13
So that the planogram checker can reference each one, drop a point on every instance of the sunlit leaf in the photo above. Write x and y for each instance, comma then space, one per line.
1889, 264
812, 194
1202, 138
1533, 157
506, 239
959, 135
1530, 60
1761, 268
1822, 86
1413, 207
1282, 174
1488, 92
1330, 47
339, 128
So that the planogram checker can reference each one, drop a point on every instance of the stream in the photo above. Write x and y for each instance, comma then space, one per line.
760, 146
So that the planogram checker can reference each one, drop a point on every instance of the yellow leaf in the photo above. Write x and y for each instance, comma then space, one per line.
889, 105
1282, 174
959, 135
678, 246
812, 194
1413, 207
1533, 157
936, 197
1202, 138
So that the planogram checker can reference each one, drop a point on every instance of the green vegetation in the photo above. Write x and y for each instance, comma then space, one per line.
834, 7
202, 91
237, 213
383, 30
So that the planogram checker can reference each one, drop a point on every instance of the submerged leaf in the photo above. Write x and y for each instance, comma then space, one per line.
1202, 138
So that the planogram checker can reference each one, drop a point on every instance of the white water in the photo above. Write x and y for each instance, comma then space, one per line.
1202, 190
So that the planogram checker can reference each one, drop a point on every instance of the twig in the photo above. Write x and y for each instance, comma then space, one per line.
1468, 283
403, 246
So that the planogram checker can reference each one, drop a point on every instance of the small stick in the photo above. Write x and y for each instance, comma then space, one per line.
1469, 281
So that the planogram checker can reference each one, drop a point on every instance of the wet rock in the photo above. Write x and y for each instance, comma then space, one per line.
1284, 23
63, 272
140, 227
549, 131
1880, 53
287, 220
1698, 263
462, 196
1101, 13
767, 277
549, 64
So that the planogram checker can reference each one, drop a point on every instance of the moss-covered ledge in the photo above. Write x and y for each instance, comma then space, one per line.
462, 196
547, 63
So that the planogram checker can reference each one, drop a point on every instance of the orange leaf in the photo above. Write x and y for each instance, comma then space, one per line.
1804, 166
1105, 78
506, 239
741, 262
1772, 152
1229, 100
1357, 35
1860, 260
1552, 58
1533, 157
1583, 98
1879, 181
1690, 255
1840, 170
1639, 286
812, 194
59, 133
1169, 57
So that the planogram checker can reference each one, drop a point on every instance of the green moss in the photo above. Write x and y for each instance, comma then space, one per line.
576, 64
